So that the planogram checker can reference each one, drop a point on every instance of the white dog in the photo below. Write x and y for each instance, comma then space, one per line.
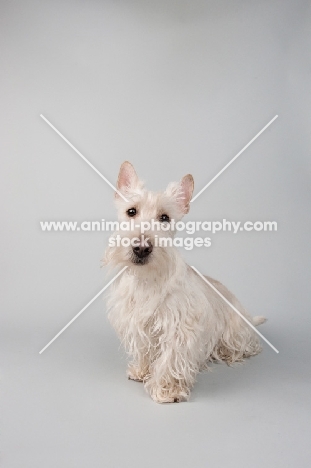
169, 320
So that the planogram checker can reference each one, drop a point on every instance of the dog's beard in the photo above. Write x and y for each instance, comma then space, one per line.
139, 261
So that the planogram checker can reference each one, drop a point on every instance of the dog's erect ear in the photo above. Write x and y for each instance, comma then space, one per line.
127, 178
182, 191
185, 192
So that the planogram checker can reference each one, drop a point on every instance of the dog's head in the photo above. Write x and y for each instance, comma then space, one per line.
145, 218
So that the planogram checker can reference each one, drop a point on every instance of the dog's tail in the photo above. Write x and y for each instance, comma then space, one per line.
258, 320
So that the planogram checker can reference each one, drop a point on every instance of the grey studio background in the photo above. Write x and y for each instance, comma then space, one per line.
174, 87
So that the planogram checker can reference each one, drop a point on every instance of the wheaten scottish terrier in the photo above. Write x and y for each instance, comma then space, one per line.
170, 321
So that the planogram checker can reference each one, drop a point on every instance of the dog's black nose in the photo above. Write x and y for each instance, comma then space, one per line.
143, 251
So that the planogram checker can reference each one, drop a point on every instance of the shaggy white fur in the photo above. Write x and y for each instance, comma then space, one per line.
169, 320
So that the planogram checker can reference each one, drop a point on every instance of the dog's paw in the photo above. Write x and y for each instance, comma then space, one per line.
134, 373
174, 394
170, 399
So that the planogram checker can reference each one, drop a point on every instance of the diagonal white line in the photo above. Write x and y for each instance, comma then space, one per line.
83, 157
235, 309
84, 308
235, 157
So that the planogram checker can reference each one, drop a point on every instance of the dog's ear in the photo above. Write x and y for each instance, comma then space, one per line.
182, 192
127, 178
185, 192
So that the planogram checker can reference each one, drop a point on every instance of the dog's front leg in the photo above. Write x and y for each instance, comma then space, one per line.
171, 378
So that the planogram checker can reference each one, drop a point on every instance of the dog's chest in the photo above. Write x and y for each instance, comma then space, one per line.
144, 295
139, 300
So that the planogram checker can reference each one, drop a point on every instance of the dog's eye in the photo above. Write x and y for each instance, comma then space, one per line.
164, 218
131, 212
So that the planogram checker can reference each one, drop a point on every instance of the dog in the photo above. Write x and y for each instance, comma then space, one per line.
171, 323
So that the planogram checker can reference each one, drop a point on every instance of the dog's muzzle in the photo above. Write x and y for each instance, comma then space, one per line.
141, 252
